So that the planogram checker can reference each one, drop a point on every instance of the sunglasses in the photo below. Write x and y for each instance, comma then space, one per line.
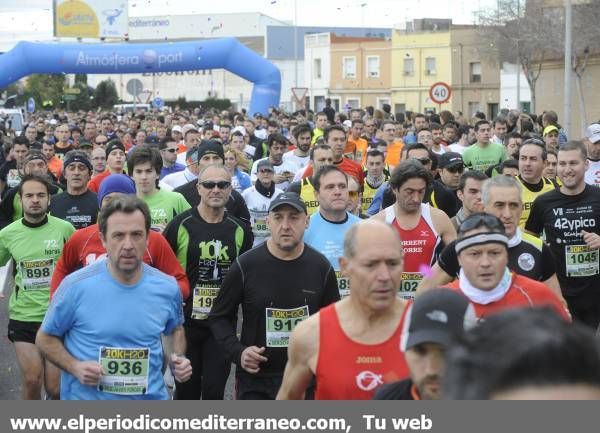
171, 150
101, 142
223, 184
456, 169
481, 219
265, 170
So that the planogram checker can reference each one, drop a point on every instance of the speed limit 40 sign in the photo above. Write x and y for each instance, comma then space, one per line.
440, 92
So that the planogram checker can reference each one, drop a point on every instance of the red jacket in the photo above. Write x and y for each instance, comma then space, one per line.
84, 247
523, 292
351, 168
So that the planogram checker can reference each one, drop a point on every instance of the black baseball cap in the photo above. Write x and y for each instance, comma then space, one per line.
264, 163
450, 159
437, 316
207, 147
290, 198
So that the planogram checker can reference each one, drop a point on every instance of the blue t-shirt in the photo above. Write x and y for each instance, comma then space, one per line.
173, 169
91, 311
328, 237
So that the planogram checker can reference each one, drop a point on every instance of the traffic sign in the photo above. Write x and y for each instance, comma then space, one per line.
299, 94
30, 105
72, 90
158, 103
69, 97
134, 87
440, 92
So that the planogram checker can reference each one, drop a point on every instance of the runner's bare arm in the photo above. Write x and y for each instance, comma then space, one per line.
178, 340
87, 372
443, 225
438, 278
303, 350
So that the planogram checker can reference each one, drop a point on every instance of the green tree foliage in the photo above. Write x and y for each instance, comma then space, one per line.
45, 87
106, 95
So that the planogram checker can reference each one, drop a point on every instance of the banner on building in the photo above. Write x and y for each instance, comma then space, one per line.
90, 18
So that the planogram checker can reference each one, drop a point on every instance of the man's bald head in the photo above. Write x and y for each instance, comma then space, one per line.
368, 232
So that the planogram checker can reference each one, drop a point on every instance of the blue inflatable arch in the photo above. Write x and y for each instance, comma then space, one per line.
75, 58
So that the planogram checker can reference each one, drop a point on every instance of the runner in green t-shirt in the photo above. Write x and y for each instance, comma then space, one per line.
483, 154
144, 164
35, 243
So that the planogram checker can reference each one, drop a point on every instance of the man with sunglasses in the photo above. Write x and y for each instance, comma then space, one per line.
206, 240
527, 255
532, 158
451, 167
482, 250
168, 151
422, 228
210, 152
329, 225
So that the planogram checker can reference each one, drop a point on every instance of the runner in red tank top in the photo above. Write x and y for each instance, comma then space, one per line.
423, 229
370, 365
353, 346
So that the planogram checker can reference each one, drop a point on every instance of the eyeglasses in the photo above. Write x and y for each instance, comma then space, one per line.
173, 150
481, 219
265, 171
101, 142
353, 194
423, 161
222, 184
456, 169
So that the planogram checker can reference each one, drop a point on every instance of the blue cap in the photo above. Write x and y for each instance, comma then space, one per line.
115, 183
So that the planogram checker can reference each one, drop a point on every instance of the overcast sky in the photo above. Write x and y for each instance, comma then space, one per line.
32, 19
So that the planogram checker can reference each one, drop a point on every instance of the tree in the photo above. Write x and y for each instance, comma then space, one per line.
586, 43
105, 95
518, 32
44, 88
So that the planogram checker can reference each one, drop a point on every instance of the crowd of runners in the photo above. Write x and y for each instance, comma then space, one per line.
328, 255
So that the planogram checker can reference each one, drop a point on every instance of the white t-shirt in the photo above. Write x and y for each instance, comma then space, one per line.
285, 166
258, 207
300, 161
458, 148
173, 180
592, 174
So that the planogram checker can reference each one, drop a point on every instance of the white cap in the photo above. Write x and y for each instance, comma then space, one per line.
176, 128
593, 132
239, 129
186, 128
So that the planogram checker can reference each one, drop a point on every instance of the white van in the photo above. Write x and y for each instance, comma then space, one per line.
12, 119
129, 108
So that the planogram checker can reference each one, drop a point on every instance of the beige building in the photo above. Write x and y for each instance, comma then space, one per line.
360, 71
433, 51
550, 94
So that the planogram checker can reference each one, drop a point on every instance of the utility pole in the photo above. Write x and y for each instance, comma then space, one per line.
568, 55
518, 56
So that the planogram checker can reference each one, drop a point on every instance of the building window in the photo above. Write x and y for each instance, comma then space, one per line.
409, 66
317, 68
349, 67
352, 103
475, 72
372, 66
430, 66
474, 107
